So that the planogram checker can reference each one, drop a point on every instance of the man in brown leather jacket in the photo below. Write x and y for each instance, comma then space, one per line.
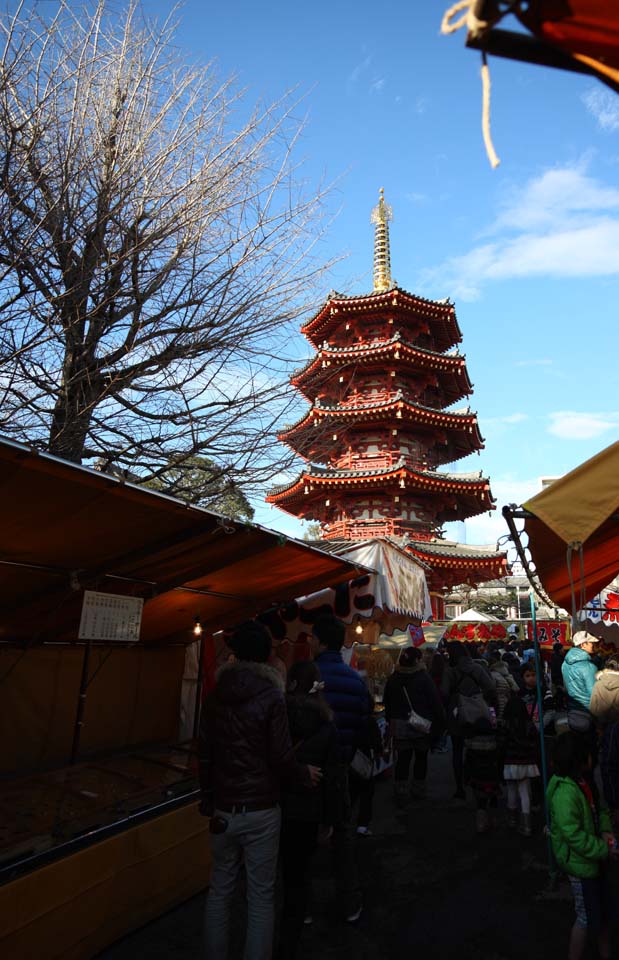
245, 753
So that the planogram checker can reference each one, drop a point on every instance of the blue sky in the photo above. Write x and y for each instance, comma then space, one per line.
528, 252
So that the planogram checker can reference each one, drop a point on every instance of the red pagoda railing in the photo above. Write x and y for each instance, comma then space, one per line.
365, 529
381, 461
368, 397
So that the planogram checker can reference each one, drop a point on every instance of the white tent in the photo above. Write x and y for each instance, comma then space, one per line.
475, 616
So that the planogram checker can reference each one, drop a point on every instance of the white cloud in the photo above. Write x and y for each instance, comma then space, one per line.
358, 71
561, 224
603, 106
555, 198
534, 362
515, 418
421, 105
377, 84
508, 418
568, 425
417, 198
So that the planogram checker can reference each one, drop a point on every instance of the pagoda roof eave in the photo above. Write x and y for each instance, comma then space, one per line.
431, 481
334, 298
456, 419
441, 553
432, 358
463, 424
442, 310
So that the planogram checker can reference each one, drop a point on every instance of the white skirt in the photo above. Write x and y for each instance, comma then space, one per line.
520, 771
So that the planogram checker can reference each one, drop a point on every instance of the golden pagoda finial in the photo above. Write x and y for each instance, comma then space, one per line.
381, 215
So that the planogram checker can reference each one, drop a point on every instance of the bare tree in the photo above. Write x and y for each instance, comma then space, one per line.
156, 248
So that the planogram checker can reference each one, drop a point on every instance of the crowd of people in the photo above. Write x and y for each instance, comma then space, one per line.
286, 764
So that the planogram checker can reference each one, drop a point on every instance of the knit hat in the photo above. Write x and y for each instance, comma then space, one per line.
409, 657
581, 636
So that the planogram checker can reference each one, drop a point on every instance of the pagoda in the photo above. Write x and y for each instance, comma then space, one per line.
382, 386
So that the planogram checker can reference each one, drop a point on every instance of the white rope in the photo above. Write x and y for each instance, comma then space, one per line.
485, 115
446, 25
476, 28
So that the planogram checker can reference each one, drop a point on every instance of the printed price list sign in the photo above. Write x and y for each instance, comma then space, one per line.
106, 616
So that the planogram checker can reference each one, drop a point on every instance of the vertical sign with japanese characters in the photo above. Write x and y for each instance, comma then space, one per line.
107, 616
550, 632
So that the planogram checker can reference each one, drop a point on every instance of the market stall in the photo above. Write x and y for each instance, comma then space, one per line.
108, 593
572, 531
392, 595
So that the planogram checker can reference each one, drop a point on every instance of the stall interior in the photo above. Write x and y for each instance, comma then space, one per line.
100, 828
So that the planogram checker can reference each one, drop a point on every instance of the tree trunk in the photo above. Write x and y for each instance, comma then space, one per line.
73, 411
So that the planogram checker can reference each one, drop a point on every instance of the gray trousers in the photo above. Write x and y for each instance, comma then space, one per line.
252, 838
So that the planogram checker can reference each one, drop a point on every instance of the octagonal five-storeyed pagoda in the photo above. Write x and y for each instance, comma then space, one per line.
383, 387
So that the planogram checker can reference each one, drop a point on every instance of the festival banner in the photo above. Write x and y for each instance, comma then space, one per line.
481, 631
550, 632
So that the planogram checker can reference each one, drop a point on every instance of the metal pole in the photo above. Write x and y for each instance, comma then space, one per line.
198, 703
542, 742
81, 704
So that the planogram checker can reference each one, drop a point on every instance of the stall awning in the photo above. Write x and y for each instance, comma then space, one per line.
65, 528
577, 511
581, 36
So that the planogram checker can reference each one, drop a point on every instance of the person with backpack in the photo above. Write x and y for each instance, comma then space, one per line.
472, 719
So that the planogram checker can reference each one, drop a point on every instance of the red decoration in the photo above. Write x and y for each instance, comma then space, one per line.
549, 632
611, 608
468, 632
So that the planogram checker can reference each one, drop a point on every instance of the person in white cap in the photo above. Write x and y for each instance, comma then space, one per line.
579, 670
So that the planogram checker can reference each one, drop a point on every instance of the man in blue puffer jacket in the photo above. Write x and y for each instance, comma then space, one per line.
345, 691
579, 670
349, 699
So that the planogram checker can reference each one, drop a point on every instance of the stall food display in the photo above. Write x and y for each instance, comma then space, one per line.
52, 810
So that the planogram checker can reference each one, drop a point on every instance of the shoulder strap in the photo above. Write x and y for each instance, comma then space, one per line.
410, 706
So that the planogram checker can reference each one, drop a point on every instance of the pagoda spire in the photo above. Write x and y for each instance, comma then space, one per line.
381, 215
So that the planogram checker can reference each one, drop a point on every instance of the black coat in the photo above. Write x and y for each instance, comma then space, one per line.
315, 741
245, 747
423, 695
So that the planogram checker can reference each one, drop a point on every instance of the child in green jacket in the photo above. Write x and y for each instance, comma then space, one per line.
582, 840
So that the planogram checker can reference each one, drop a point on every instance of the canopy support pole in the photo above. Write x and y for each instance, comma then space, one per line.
542, 742
81, 704
199, 678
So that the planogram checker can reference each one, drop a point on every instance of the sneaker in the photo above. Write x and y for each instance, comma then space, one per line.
364, 832
353, 917
308, 920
